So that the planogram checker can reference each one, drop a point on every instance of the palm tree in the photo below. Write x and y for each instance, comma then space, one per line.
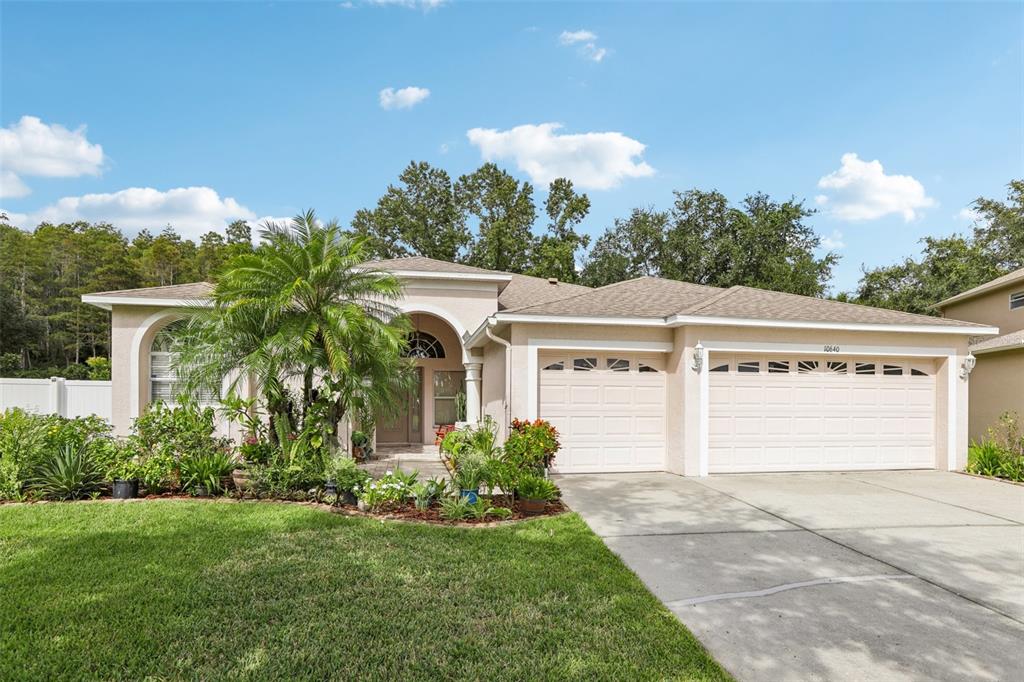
301, 310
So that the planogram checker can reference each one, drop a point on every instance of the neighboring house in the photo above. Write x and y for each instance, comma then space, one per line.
997, 382
644, 375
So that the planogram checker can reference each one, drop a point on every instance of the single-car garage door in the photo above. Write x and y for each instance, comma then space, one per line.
609, 409
777, 413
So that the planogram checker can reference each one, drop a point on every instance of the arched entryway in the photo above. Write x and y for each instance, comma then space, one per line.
438, 396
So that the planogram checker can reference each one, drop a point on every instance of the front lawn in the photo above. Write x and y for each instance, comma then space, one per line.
207, 590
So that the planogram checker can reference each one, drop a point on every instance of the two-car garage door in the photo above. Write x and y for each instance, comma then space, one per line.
768, 412
778, 413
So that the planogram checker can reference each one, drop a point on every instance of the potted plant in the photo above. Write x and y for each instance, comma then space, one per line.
125, 475
534, 493
359, 442
467, 478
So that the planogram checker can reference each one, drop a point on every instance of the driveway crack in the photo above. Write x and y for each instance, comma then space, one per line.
767, 592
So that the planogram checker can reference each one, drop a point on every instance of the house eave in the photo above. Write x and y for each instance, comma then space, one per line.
107, 302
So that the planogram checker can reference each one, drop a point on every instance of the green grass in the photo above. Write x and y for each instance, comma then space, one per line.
171, 589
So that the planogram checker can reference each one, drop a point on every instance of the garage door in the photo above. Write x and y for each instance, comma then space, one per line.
774, 413
609, 409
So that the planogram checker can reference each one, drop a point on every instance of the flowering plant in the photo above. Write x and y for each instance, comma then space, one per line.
531, 444
391, 489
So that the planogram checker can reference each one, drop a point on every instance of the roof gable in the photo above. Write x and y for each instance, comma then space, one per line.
999, 282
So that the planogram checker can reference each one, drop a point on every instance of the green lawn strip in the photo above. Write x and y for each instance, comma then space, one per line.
174, 589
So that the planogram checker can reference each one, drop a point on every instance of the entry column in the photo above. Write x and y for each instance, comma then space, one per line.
473, 392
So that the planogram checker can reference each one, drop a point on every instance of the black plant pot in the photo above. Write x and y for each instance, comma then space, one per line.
330, 488
347, 497
202, 491
125, 490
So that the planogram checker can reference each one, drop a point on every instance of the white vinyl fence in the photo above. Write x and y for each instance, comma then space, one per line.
66, 397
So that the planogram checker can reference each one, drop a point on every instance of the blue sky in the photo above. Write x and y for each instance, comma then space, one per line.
196, 113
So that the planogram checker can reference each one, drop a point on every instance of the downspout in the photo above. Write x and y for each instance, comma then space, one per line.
508, 371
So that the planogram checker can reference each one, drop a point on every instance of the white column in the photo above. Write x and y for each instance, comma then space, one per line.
473, 392
58, 397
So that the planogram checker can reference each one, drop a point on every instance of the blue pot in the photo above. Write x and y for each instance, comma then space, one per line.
470, 495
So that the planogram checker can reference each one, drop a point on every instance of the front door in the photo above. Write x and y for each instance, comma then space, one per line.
406, 426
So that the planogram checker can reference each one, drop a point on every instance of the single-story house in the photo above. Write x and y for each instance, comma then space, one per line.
643, 375
997, 382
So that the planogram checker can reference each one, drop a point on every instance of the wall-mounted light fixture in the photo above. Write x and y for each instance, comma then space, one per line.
697, 361
967, 366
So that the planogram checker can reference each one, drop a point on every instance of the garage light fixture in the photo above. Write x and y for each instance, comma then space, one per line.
968, 366
698, 357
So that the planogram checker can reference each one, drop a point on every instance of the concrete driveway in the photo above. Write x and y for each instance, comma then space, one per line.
858, 576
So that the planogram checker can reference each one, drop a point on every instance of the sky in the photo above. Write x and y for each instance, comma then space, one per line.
888, 119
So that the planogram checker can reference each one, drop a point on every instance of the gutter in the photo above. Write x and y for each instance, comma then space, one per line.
508, 371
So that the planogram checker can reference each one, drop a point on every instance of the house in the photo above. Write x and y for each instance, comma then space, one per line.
643, 375
997, 382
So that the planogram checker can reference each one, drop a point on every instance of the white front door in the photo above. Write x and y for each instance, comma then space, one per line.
820, 413
609, 409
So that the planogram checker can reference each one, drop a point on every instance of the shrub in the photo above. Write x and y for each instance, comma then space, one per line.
117, 458
68, 474
345, 473
168, 435
426, 492
28, 440
530, 487
455, 508
99, 368
206, 470
1001, 453
531, 444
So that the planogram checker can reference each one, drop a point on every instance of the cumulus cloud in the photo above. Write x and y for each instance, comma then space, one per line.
33, 148
861, 190
833, 242
590, 160
587, 42
190, 210
404, 98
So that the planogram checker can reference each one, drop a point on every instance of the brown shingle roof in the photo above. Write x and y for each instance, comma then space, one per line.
653, 297
997, 343
183, 291
750, 303
1008, 278
642, 297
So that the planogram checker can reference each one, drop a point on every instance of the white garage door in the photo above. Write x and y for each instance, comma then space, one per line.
775, 413
609, 409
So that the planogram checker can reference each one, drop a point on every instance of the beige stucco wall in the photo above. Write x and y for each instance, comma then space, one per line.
991, 308
996, 386
126, 322
494, 373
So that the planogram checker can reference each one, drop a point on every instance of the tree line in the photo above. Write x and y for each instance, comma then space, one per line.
489, 219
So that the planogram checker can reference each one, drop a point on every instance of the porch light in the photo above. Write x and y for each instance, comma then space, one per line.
967, 366
698, 357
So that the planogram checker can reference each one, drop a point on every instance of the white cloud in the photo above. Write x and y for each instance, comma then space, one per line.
404, 98
590, 160
190, 210
11, 185
860, 190
425, 5
833, 242
573, 37
969, 215
33, 148
587, 40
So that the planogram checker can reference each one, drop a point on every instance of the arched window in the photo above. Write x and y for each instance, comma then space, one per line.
162, 378
423, 345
